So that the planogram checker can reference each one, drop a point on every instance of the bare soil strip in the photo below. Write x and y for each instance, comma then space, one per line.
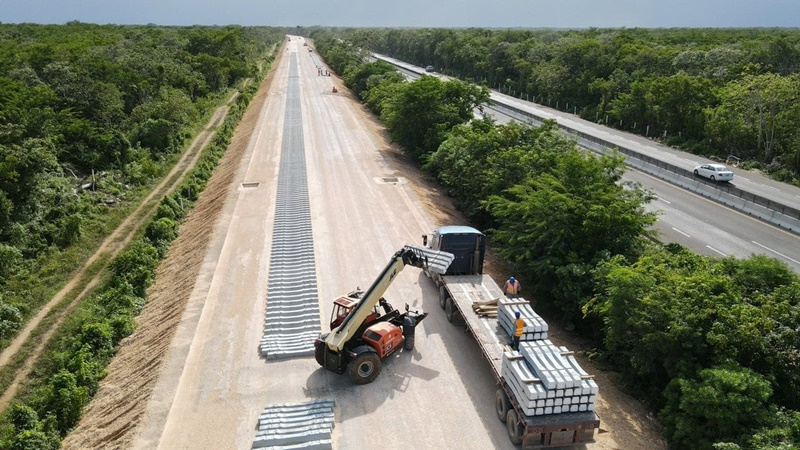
111, 418
109, 249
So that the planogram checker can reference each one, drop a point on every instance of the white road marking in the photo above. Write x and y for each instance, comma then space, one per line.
693, 162
681, 232
715, 250
665, 201
777, 253
770, 187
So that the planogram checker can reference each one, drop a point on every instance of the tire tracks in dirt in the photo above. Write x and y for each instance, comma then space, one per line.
107, 251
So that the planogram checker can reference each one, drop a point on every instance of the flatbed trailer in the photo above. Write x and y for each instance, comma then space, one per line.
457, 294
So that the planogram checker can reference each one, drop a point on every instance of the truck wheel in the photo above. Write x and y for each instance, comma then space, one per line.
450, 310
442, 296
514, 428
365, 368
501, 404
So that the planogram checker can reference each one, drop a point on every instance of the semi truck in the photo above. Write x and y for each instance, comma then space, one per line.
464, 285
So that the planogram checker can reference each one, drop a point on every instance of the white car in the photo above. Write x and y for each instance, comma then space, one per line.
714, 172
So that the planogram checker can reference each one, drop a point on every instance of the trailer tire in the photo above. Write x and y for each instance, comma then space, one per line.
365, 367
515, 431
442, 296
450, 310
501, 404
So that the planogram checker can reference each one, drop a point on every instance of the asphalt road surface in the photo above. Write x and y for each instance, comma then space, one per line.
704, 226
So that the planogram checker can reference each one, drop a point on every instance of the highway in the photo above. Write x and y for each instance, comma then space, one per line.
746, 180
701, 225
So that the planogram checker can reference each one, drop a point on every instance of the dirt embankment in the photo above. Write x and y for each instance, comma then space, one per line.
111, 418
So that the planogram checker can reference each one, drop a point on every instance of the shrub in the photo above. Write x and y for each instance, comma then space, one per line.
137, 266
23, 417
161, 233
10, 320
120, 298
10, 258
720, 406
34, 440
65, 399
122, 326
96, 338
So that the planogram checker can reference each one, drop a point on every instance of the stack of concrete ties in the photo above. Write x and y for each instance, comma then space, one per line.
546, 379
436, 261
305, 426
535, 326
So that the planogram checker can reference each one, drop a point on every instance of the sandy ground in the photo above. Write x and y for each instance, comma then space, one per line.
191, 376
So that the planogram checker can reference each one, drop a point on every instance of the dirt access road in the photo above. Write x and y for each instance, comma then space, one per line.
108, 250
197, 347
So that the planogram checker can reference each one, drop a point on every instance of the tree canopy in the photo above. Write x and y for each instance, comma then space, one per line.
715, 92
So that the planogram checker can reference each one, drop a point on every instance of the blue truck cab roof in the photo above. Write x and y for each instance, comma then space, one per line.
467, 245
457, 229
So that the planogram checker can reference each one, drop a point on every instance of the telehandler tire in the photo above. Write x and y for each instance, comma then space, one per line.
409, 331
365, 368
319, 354
319, 350
408, 345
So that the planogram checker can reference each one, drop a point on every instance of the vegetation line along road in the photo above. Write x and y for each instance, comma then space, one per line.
137, 367
110, 248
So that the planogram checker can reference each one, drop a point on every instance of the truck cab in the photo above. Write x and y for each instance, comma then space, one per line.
467, 244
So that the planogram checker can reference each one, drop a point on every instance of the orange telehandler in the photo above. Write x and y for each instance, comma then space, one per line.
366, 329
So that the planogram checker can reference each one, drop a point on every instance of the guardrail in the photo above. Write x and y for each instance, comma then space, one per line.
770, 211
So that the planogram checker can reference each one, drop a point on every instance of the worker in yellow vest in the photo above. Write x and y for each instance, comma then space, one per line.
512, 288
520, 327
